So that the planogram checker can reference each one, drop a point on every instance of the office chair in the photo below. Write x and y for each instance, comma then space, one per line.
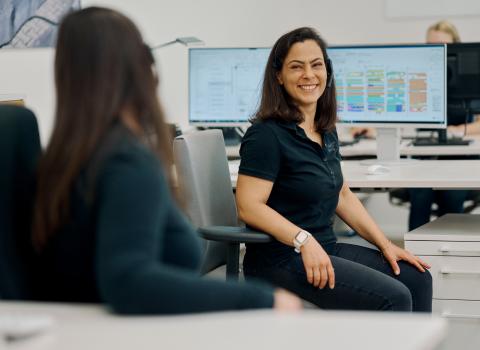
19, 152
204, 179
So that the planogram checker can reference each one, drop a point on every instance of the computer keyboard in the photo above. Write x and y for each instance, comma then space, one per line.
347, 143
429, 141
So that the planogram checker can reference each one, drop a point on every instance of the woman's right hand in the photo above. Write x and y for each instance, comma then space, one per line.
456, 130
285, 301
318, 265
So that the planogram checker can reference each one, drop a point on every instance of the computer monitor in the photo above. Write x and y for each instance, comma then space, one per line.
390, 87
463, 71
224, 85
463, 81
463, 91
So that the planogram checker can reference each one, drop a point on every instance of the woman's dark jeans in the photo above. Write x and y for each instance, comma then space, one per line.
421, 200
364, 280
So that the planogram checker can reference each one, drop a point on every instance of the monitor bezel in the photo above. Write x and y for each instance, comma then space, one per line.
223, 122
432, 125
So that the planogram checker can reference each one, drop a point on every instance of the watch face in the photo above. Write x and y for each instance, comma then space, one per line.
301, 236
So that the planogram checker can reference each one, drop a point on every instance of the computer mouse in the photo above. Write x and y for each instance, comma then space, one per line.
377, 169
360, 136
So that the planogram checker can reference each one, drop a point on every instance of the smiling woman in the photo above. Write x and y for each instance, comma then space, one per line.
299, 68
290, 185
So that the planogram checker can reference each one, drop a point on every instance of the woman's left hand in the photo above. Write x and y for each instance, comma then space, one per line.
393, 253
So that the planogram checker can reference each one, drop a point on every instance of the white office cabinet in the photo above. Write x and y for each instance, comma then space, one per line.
451, 245
457, 308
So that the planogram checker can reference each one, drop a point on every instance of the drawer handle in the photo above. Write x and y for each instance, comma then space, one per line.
448, 250
449, 315
459, 272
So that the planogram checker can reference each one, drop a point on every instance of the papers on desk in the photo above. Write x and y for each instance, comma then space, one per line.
17, 326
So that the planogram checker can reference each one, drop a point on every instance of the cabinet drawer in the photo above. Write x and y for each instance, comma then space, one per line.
453, 309
443, 248
455, 277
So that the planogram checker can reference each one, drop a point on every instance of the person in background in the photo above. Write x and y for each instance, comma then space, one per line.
422, 199
469, 129
290, 185
442, 32
106, 226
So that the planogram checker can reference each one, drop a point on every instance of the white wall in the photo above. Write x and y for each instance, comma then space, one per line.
220, 23
30, 73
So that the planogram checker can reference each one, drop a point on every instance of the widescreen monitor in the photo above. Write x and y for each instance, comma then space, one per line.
463, 92
391, 86
463, 82
224, 85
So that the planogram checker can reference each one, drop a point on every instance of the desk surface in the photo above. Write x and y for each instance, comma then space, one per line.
91, 327
447, 174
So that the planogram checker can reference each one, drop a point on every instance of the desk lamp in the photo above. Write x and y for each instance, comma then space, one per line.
187, 41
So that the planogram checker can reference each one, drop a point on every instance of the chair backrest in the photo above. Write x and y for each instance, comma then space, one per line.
19, 152
204, 179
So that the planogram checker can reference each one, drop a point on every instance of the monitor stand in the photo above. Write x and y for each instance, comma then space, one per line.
388, 148
232, 136
388, 145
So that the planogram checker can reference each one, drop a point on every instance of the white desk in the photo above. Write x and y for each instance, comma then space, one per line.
90, 327
446, 174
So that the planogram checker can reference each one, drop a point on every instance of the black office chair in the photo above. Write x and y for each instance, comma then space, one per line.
19, 152
204, 177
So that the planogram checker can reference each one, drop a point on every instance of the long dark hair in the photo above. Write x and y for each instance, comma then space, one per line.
276, 103
102, 66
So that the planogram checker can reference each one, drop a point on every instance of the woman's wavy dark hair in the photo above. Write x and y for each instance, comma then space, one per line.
276, 102
102, 66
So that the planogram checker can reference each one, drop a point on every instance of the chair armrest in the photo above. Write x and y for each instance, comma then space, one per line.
233, 234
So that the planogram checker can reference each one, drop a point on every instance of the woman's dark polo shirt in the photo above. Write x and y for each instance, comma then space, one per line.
307, 178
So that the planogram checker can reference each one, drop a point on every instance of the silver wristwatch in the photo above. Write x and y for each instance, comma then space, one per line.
300, 239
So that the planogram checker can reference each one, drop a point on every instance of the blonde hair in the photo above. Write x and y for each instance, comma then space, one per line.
447, 28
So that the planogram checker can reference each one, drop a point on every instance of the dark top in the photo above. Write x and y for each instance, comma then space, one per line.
306, 177
128, 245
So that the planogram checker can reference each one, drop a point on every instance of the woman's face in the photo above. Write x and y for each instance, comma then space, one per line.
438, 37
304, 74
